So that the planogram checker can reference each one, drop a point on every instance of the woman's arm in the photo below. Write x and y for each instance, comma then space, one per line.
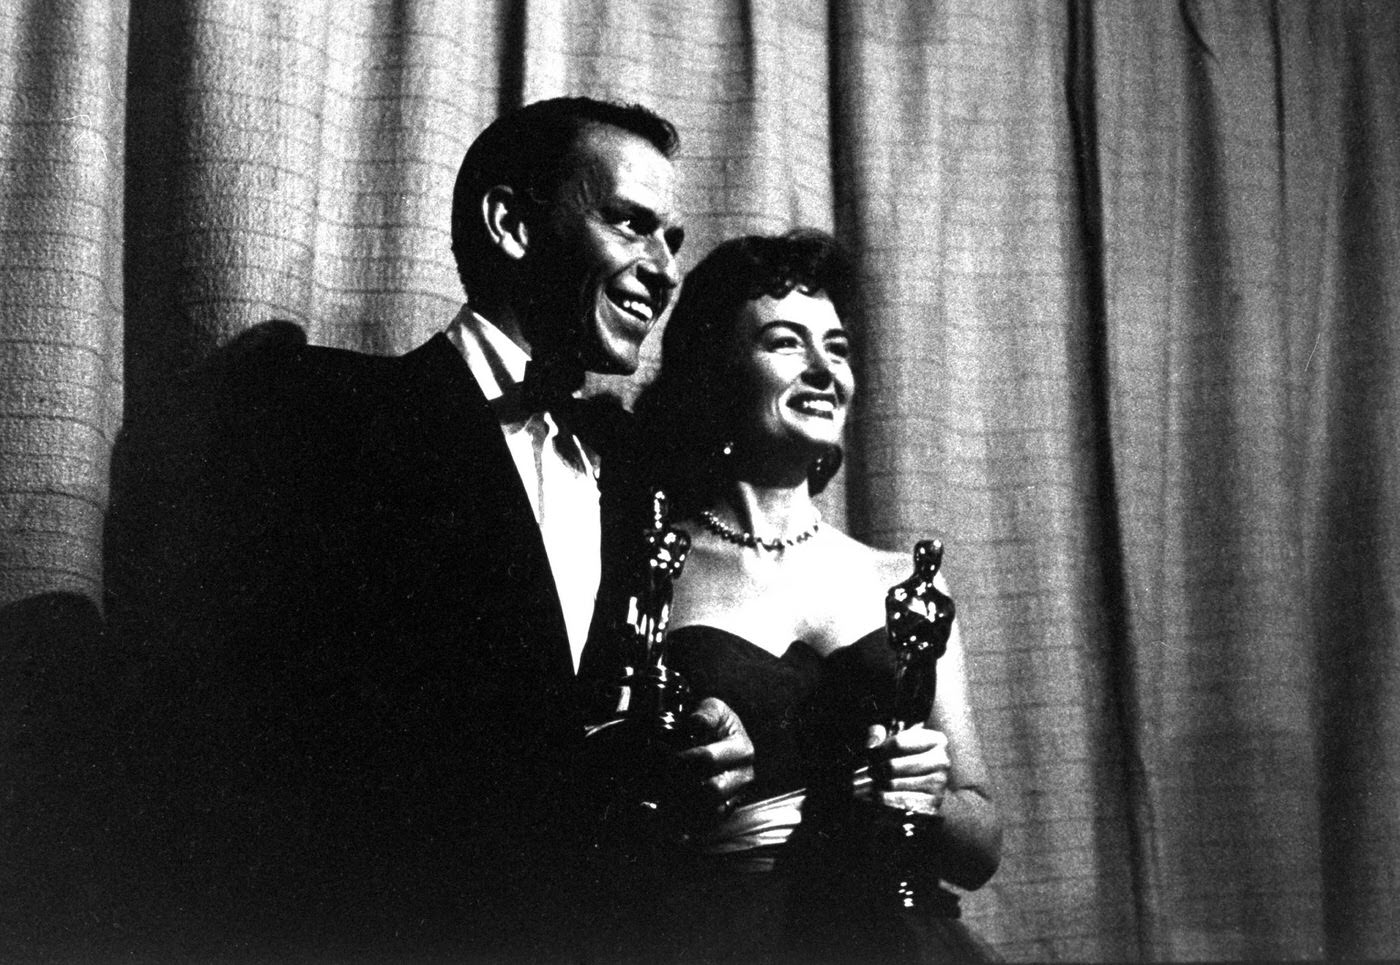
971, 824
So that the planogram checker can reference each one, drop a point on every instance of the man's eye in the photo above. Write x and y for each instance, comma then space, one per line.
783, 343
842, 350
633, 223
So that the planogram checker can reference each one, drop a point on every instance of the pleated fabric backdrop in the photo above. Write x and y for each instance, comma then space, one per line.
1130, 343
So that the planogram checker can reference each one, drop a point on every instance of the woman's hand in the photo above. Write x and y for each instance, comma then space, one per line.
721, 759
909, 768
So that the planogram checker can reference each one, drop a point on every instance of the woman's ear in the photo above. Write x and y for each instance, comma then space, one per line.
502, 210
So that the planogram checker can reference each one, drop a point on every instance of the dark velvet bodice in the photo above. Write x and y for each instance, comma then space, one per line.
805, 713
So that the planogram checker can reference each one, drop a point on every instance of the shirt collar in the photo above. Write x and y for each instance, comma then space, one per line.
497, 363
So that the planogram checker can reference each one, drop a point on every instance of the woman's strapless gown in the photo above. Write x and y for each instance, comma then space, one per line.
807, 717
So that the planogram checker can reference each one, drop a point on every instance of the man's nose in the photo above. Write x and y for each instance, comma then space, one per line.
662, 262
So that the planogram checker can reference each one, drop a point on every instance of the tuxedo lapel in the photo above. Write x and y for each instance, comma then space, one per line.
623, 505
474, 490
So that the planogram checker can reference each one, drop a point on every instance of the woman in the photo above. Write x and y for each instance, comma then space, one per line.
783, 617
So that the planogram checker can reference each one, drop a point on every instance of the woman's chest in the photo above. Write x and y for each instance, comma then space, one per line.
773, 609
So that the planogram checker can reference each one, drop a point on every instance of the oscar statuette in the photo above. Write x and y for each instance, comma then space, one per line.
637, 745
918, 621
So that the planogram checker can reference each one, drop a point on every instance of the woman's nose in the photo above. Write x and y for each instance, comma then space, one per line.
818, 371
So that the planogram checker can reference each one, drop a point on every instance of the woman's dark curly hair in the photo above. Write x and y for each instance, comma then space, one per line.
689, 412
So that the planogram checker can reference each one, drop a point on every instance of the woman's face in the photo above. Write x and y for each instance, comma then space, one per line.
794, 370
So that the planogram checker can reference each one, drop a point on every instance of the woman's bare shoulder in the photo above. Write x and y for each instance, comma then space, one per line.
887, 566
853, 559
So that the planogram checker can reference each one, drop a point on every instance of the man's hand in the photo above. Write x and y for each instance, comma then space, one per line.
721, 759
910, 768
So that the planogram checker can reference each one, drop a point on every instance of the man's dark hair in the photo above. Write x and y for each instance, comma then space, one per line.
688, 414
530, 150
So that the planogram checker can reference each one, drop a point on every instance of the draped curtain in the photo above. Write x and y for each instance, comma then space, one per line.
1129, 337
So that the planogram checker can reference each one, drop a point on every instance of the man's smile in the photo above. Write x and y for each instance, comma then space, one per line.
642, 307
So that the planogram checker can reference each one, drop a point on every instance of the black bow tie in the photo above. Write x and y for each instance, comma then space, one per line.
601, 423
549, 384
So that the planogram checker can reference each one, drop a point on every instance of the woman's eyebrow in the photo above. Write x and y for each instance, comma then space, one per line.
778, 323
832, 333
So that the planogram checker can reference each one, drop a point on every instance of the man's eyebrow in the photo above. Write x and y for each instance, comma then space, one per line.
627, 208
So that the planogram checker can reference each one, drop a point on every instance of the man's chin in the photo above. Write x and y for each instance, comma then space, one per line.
614, 359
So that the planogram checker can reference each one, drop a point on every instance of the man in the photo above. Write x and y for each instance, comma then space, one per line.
376, 749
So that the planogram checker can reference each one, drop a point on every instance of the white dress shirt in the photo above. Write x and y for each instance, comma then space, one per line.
559, 473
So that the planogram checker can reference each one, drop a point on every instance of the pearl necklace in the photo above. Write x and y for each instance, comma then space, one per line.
741, 537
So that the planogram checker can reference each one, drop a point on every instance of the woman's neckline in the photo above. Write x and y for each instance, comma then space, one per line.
714, 628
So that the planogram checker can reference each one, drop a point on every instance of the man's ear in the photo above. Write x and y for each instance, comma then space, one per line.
503, 211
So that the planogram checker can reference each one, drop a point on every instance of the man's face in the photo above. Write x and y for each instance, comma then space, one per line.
604, 255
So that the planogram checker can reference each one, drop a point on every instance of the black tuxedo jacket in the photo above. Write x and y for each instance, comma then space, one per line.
370, 739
